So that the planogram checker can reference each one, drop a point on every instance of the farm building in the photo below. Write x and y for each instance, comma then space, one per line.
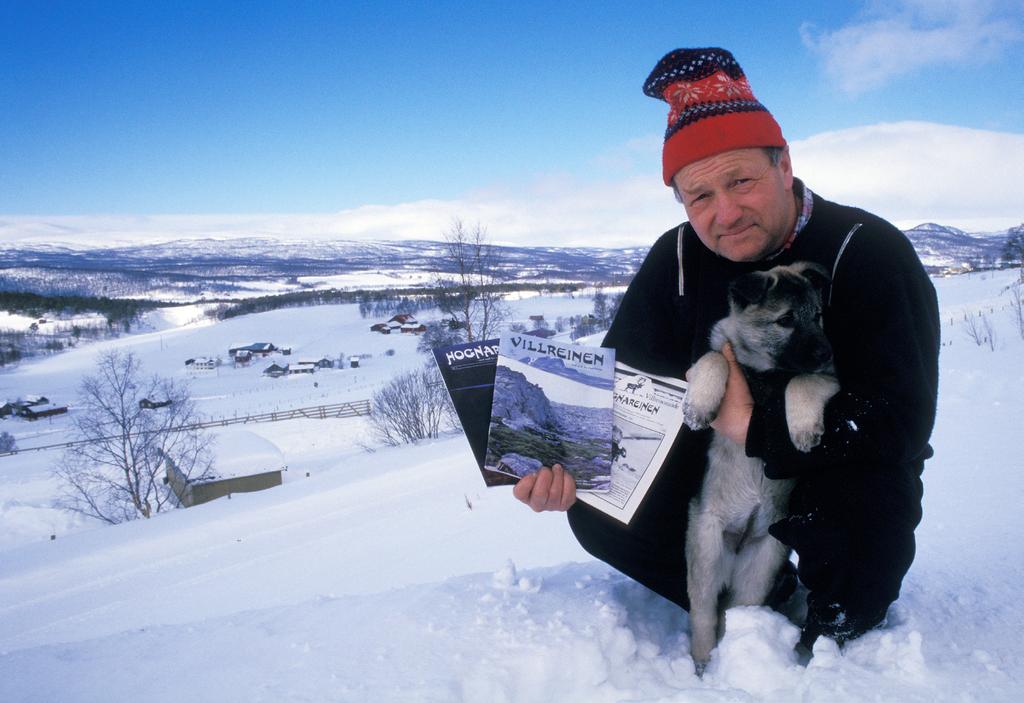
41, 410
32, 407
276, 371
403, 322
256, 349
322, 363
243, 462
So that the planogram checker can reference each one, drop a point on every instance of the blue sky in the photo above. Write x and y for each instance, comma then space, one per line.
483, 110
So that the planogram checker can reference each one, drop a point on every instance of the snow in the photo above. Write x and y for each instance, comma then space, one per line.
367, 280
394, 575
13, 321
178, 316
243, 453
22, 323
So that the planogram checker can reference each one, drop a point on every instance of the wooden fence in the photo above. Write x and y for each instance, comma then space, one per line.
354, 408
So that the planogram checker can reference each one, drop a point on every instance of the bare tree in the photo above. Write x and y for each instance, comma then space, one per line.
116, 474
601, 312
980, 330
7, 442
470, 294
1017, 306
413, 406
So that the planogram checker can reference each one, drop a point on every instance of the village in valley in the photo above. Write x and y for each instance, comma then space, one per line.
322, 362
243, 355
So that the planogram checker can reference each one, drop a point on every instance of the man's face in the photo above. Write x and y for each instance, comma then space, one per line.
740, 205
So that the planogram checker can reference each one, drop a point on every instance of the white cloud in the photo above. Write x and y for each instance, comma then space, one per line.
556, 211
898, 37
908, 172
913, 172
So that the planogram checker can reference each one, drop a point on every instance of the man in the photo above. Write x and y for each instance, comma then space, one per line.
858, 494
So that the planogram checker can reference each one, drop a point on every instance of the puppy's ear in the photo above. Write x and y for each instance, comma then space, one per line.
749, 289
816, 274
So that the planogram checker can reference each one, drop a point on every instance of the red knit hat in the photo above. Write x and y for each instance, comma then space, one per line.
712, 108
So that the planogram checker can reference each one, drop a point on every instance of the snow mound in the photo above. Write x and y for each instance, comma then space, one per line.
574, 633
242, 453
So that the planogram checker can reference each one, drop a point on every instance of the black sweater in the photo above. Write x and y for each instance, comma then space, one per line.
881, 316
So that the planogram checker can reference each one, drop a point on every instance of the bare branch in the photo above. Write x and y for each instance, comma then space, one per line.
413, 406
470, 293
117, 474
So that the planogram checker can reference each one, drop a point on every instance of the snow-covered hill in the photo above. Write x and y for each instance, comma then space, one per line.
188, 269
941, 247
396, 576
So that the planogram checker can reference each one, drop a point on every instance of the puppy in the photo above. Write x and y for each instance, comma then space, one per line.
774, 325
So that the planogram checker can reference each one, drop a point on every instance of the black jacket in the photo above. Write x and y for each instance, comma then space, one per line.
881, 316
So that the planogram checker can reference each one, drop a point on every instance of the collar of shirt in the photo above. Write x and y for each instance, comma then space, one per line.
806, 199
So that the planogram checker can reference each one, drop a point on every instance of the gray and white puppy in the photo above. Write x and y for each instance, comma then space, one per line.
774, 325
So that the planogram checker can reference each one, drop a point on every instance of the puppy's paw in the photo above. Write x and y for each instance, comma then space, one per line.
806, 397
698, 418
706, 389
807, 440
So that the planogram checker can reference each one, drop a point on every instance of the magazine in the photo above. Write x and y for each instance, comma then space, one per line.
648, 415
552, 403
646, 418
468, 373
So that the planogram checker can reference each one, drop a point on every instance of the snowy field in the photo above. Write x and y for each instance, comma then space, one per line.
395, 575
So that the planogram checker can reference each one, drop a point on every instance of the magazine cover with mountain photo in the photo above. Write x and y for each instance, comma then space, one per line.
552, 403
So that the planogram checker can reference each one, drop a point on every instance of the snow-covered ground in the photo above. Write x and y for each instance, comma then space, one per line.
395, 575
22, 323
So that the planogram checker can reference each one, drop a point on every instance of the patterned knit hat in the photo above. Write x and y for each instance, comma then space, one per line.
712, 108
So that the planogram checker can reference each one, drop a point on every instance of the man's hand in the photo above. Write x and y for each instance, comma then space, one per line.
734, 413
547, 489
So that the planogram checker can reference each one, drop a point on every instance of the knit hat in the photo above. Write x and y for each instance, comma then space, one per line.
712, 108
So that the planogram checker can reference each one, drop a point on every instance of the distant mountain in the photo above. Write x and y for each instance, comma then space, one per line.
186, 269
311, 257
941, 247
190, 269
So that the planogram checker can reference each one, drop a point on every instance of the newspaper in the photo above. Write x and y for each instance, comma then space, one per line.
552, 403
648, 415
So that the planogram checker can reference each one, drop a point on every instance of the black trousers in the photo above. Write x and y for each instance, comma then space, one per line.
853, 531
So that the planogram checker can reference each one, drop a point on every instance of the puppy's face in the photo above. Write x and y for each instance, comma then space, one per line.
775, 321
